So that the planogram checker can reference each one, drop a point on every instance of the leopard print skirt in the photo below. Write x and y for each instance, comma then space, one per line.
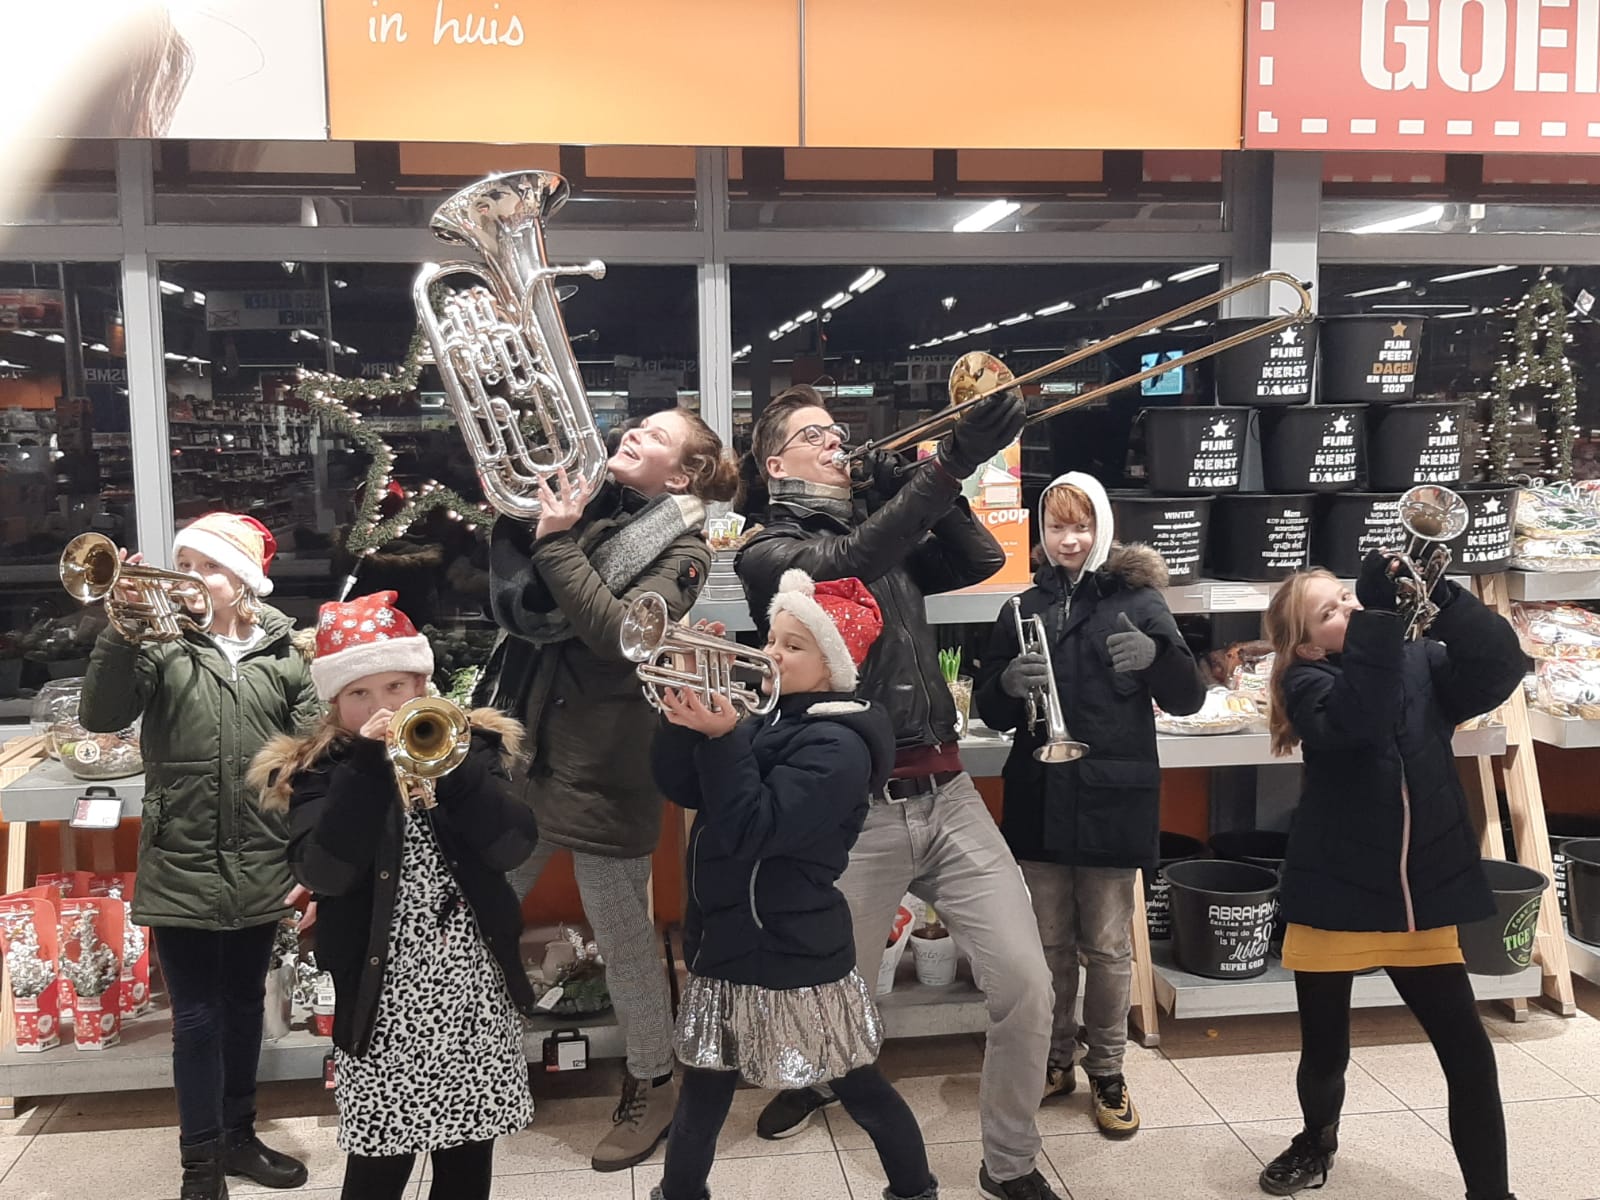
446, 1064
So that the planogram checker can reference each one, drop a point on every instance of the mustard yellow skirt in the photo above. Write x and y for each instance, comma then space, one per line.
1308, 949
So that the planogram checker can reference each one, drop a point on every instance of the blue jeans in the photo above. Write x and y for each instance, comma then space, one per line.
217, 981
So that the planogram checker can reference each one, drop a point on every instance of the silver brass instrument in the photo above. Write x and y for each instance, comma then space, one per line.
92, 571
428, 737
500, 344
978, 375
1045, 703
671, 655
1432, 515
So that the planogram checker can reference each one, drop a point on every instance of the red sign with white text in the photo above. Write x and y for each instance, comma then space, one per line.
1434, 75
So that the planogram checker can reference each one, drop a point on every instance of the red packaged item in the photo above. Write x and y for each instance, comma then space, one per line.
28, 941
91, 957
135, 991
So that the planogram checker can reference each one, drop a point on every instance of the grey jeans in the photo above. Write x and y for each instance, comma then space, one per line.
616, 899
946, 850
1087, 913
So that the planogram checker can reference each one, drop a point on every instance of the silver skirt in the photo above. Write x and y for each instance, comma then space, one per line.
791, 1038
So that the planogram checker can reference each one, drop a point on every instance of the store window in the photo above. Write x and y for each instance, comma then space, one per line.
65, 461
59, 182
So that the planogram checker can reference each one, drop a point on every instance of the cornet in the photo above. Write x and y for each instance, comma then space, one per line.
92, 571
428, 737
501, 347
1058, 746
673, 656
1432, 515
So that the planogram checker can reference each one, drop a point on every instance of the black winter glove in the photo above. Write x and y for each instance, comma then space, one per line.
1131, 648
879, 475
1024, 674
1375, 585
983, 431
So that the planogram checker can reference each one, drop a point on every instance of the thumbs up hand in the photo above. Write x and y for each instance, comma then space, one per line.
1131, 649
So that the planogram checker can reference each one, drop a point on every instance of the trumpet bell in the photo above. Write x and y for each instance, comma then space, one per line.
644, 627
89, 567
1060, 752
1433, 513
428, 737
977, 374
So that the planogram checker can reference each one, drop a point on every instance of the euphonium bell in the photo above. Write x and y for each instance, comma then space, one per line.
673, 656
428, 737
1432, 515
93, 572
501, 346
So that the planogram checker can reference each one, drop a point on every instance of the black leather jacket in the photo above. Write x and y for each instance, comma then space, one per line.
922, 541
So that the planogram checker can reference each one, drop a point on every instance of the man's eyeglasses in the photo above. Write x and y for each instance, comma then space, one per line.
817, 435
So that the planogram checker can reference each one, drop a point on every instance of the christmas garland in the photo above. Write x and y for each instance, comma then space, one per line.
1541, 314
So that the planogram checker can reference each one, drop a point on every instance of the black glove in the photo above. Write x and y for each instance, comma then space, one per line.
879, 475
1025, 674
1375, 585
1131, 648
983, 431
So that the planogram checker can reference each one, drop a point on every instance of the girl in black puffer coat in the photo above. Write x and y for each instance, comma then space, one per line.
1382, 862
773, 994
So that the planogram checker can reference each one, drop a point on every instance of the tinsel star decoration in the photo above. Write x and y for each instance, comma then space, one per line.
1537, 358
97, 966
328, 396
29, 971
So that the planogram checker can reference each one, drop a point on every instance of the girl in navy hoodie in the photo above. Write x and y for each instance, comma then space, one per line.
773, 994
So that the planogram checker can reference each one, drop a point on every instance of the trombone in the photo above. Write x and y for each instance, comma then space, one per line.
673, 656
428, 737
1045, 703
92, 570
978, 375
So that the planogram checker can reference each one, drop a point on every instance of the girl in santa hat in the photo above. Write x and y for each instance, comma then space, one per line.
773, 994
417, 924
212, 876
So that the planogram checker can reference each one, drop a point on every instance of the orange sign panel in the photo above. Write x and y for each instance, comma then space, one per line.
1028, 74
693, 72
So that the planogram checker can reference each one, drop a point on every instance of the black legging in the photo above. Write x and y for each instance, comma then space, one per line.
460, 1173
866, 1095
1442, 1001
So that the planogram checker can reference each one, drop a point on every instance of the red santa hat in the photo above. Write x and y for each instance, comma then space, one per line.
839, 613
365, 636
241, 544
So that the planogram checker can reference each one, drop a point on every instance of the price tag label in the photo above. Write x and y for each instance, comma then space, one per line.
97, 812
1240, 598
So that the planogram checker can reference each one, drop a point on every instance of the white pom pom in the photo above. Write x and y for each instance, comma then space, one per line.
796, 580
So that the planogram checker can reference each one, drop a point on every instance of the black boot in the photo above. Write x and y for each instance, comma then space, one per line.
1305, 1164
202, 1172
248, 1156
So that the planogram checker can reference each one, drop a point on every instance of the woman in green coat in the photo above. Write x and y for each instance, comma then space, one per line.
213, 867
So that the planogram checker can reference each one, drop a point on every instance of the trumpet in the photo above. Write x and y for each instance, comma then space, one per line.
1045, 703
1432, 515
978, 375
501, 347
428, 737
92, 571
673, 656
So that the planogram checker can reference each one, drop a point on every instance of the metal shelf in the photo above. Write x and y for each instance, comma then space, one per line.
1566, 732
1184, 995
1553, 585
1583, 959
914, 1009
47, 792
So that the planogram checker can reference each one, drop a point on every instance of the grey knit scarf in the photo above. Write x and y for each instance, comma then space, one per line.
825, 498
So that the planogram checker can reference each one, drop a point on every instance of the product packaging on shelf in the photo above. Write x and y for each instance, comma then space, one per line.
135, 990
63, 885
91, 956
29, 942
899, 936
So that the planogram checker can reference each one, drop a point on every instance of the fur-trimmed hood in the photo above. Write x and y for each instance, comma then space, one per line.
276, 764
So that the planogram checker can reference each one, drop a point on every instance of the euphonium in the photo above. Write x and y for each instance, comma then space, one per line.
673, 656
1045, 704
428, 737
1432, 515
92, 571
501, 347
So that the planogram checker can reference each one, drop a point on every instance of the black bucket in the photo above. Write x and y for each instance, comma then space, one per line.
1267, 371
1370, 360
1485, 548
1318, 448
1563, 828
1261, 538
1175, 848
1408, 444
1194, 451
1258, 847
1222, 914
1583, 889
1175, 526
1503, 944
1352, 523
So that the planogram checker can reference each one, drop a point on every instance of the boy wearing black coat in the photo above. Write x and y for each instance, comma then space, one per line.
1082, 829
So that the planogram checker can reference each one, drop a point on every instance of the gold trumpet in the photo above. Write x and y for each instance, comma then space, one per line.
978, 375
428, 738
92, 570
673, 656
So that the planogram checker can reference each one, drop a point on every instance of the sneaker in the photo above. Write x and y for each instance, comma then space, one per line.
1113, 1106
638, 1126
787, 1113
1026, 1187
1060, 1079
1305, 1164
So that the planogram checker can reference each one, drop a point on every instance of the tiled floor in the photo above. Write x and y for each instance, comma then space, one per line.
1217, 1101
